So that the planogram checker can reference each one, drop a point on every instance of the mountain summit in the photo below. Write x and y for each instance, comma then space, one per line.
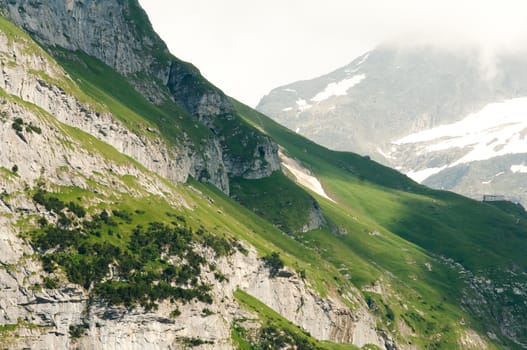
470, 110
142, 208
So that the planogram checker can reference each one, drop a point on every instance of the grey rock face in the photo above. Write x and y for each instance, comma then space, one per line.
118, 33
264, 161
197, 96
100, 28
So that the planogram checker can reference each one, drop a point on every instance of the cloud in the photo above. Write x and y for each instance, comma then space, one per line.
248, 47
485, 29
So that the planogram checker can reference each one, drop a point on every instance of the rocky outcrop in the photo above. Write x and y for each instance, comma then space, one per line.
316, 218
261, 163
324, 318
175, 163
103, 29
196, 95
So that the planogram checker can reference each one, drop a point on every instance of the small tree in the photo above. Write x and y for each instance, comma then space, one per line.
14, 168
273, 263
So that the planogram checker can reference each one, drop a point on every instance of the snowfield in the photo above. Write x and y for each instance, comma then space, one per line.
498, 129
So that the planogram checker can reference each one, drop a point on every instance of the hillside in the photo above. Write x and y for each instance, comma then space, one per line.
142, 208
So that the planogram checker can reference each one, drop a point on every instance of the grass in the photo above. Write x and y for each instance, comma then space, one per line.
242, 223
276, 199
440, 222
7, 174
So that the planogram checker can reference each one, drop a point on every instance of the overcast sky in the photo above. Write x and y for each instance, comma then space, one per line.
248, 47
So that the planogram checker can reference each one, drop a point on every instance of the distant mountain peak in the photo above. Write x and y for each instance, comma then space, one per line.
392, 95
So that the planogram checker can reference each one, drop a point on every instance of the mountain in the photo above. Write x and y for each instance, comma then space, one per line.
451, 120
142, 208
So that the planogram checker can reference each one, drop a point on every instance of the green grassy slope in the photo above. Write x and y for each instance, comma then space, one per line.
105, 85
441, 222
411, 224
276, 199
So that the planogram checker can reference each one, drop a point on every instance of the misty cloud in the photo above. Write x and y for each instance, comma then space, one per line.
247, 48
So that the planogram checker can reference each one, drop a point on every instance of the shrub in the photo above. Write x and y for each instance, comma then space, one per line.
206, 312
76, 331
273, 263
175, 313
18, 125
76, 209
51, 283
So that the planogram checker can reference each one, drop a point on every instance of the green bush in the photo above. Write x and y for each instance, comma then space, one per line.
51, 283
273, 263
76, 331
18, 124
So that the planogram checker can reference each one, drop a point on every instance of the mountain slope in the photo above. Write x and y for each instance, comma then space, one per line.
446, 225
117, 230
391, 95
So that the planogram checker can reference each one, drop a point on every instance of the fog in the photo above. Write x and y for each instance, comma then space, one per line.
249, 47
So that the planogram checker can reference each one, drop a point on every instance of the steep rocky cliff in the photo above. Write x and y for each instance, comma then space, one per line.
119, 34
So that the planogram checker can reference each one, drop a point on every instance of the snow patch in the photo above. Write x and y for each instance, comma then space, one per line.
339, 88
302, 175
385, 155
289, 90
302, 104
363, 59
421, 175
520, 168
287, 109
297, 130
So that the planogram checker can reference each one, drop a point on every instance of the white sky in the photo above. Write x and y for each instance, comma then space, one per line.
248, 47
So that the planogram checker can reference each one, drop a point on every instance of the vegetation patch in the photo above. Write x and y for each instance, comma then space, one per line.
123, 263
102, 83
